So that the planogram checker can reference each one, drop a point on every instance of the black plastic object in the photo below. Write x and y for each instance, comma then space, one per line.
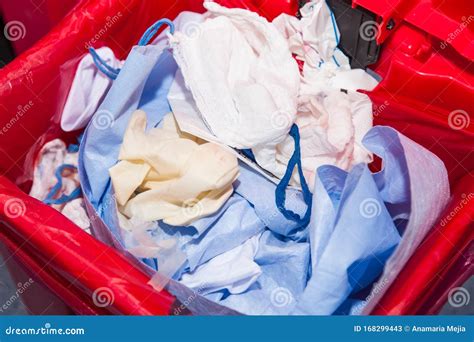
6, 52
358, 30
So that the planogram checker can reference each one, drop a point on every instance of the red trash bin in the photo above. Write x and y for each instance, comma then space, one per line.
426, 92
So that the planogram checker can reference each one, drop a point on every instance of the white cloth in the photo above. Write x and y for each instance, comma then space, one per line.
164, 174
332, 122
314, 40
242, 76
234, 270
76, 212
88, 89
53, 155
332, 125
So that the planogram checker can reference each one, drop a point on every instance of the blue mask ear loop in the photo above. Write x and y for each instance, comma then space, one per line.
148, 35
113, 73
102, 65
54, 190
280, 192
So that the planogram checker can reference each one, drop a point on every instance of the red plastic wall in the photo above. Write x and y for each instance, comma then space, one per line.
423, 85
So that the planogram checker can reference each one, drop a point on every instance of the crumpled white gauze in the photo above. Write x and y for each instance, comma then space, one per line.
52, 155
332, 122
332, 125
243, 78
164, 174
76, 212
87, 91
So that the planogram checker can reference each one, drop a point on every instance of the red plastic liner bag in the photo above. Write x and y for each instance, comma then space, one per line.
423, 85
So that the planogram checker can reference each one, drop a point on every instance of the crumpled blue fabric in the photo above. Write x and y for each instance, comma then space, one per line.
357, 221
260, 192
233, 271
284, 265
232, 225
353, 231
144, 83
210, 236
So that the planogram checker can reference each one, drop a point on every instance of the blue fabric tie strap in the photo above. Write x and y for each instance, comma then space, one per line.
112, 73
103, 66
248, 153
73, 148
55, 189
280, 192
154, 29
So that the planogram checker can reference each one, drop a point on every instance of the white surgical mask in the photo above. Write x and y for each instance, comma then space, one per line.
242, 76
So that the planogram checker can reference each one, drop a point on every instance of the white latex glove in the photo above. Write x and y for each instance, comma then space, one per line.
167, 175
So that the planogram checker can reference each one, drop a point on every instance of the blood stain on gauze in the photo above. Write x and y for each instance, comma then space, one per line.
164, 174
332, 116
242, 76
54, 155
332, 125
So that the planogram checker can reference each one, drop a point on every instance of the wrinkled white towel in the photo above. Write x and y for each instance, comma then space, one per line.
243, 79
